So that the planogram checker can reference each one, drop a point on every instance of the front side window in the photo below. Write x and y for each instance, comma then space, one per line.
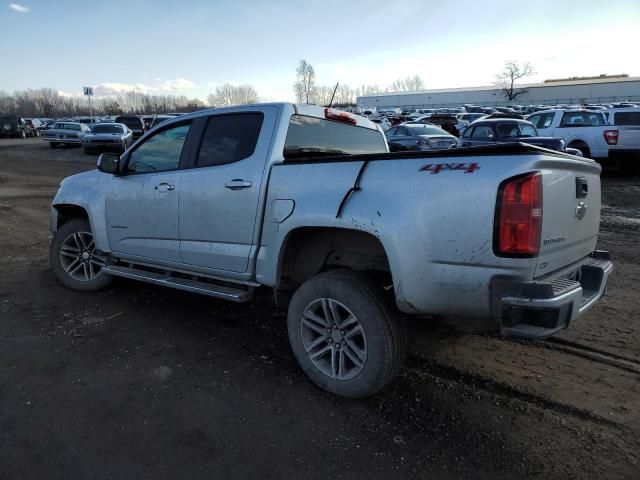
160, 152
316, 136
229, 138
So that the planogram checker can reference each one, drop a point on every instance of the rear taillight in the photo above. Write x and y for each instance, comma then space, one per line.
518, 218
611, 137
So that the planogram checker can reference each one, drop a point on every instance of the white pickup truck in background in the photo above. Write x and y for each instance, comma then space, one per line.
586, 130
624, 148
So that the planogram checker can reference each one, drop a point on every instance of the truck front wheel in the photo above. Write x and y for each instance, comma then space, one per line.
74, 259
345, 333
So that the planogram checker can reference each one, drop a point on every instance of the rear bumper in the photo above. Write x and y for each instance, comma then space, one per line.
107, 146
538, 309
74, 141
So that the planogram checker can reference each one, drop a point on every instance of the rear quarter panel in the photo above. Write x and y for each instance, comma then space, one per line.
436, 228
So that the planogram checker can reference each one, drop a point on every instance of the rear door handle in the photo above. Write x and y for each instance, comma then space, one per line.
237, 184
164, 187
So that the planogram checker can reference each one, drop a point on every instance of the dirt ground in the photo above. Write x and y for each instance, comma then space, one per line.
145, 382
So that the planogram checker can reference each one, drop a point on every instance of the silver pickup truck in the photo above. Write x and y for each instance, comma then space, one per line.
308, 203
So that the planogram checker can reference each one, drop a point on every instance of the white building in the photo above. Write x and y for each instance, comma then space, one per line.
597, 90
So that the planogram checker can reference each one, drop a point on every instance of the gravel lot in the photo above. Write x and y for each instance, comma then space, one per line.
145, 382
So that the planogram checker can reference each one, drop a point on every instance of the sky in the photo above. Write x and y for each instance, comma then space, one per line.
190, 47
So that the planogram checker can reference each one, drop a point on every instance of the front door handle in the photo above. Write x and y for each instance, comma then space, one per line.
237, 184
164, 187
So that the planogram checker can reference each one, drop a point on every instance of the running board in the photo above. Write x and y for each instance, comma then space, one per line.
197, 286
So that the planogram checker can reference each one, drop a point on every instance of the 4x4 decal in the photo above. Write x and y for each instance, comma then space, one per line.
442, 167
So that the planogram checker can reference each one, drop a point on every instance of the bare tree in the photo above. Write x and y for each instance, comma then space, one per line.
409, 84
227, 95
306, 82
513, 71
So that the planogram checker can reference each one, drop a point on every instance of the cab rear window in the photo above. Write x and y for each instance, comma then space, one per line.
312, 136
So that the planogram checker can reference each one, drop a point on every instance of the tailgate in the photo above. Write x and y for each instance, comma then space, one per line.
628, 138
570, 214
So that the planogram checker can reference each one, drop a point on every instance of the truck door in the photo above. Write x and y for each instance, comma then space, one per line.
142, 205
219, 195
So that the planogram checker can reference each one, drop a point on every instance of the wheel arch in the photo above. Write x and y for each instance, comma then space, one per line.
64, 212
307, 251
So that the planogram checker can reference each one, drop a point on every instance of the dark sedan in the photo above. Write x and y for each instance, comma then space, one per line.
115, 137
508, 130
414, 136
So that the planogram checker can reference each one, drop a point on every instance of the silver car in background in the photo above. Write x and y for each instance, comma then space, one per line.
419, 136
113, 137
65, 133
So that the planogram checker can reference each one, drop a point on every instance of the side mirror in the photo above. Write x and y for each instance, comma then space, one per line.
109, 163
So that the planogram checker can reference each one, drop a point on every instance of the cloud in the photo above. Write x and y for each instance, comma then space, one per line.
177, 84
110, 89
116, 88
16, 7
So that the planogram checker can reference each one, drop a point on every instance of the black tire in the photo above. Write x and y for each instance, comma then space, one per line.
586, 153
53, 144
629, 167
75, 226
382, 326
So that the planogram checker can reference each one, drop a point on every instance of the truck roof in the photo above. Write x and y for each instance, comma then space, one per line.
297, 108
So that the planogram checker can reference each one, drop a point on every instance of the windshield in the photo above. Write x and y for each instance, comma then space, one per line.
508, 130
107, 129
316, 136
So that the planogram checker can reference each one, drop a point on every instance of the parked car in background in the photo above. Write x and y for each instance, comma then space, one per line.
509, 130
384, 122
469, 117
133, 122
107, 137
419, 136
12, 126
447, 121
586, 130
158, 119
624, 146
65, 133
32, 127
147, 120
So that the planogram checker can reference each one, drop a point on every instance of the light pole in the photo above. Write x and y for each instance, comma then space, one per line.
88, 91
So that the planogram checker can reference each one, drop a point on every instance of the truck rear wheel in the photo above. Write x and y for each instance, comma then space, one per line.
74, 260
346, 334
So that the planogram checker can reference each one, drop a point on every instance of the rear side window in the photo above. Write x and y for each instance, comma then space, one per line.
313, 136
626, 118
582, 119
229, 138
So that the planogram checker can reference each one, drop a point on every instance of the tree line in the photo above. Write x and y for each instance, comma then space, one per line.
307, 90
48, 102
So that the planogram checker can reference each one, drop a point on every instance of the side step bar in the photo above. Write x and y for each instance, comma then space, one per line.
202, 287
